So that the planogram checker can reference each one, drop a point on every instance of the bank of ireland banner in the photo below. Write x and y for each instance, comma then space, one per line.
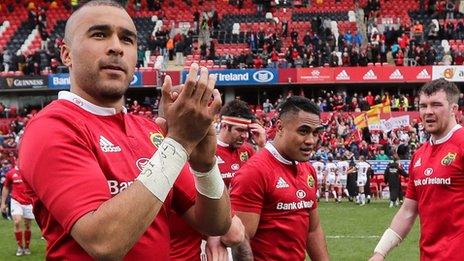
242, 77
62, 81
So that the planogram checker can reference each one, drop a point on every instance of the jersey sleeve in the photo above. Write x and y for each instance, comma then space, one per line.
184, 191
411, 190
57, 162
8, 179
248, 189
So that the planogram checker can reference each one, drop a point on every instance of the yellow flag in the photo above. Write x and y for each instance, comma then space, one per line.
382, 108
360, 121
373, 116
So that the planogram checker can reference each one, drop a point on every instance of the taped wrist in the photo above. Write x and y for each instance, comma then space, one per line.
162, 170
389, 240
209, 184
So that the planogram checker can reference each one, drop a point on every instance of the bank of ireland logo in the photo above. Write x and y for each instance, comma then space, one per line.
428, 171
235, 167
263, 76
448, 159
300, 194
141, 163
156, 138
310, 181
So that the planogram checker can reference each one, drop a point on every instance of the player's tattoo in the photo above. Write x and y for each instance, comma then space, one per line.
243, 251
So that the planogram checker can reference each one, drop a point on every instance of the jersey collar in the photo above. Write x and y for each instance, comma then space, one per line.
222, 144
270, 147
447, 137
86, 105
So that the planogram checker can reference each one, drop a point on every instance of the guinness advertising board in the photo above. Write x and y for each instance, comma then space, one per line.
23, 82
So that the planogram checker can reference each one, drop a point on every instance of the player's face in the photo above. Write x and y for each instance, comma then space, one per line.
299, 133
237, 135
101, 52
436, 112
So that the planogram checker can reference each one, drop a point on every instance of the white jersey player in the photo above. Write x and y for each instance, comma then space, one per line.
319, 166
330, 178
363, 167
342, 177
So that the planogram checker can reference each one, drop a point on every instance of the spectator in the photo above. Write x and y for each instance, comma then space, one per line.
7, 60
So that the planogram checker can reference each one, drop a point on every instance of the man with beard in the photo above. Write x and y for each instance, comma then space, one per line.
436, 181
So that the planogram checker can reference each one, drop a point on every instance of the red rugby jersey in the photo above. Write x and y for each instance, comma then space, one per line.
14, 182
75, 156
283, 194
230, 160
436, 182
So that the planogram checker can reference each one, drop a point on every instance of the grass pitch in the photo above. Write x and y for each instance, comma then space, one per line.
352, 232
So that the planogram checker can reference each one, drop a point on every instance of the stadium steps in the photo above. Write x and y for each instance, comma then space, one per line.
20, 36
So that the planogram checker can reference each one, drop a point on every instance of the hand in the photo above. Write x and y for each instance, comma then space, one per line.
3, 208
202, 158
215, 250
190, 115
258, 134
377, 257
236, 233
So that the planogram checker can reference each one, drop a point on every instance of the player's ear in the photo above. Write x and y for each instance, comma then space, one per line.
66, 55
279, 125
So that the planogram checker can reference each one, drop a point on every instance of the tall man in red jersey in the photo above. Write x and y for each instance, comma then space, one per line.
274, 193
102, 181
21, 209
233, 150
436, 181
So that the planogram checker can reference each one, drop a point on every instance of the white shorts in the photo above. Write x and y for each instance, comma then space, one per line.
320, 179
361, 182
17, 209
342, 182
330, 180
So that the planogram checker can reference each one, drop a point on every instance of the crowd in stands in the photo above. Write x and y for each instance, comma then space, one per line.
278, 45
339, 138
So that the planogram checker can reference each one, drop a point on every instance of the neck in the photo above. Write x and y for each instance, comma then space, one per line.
445, 132
279, 147
117, 105
222, 137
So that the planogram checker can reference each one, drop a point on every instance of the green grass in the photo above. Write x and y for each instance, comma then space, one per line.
8, 243
352, 233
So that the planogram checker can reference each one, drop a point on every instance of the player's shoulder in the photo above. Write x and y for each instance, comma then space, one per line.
57, 111
259, 164
458, 137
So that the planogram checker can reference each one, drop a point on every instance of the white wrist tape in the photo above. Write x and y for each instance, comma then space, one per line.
209, 184
389, 240
162, 170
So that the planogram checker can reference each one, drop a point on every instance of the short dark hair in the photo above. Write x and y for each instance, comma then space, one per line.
294, 104
237, 108
451, 90
91, 3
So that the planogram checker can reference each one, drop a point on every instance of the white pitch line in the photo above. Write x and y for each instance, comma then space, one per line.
355, 237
